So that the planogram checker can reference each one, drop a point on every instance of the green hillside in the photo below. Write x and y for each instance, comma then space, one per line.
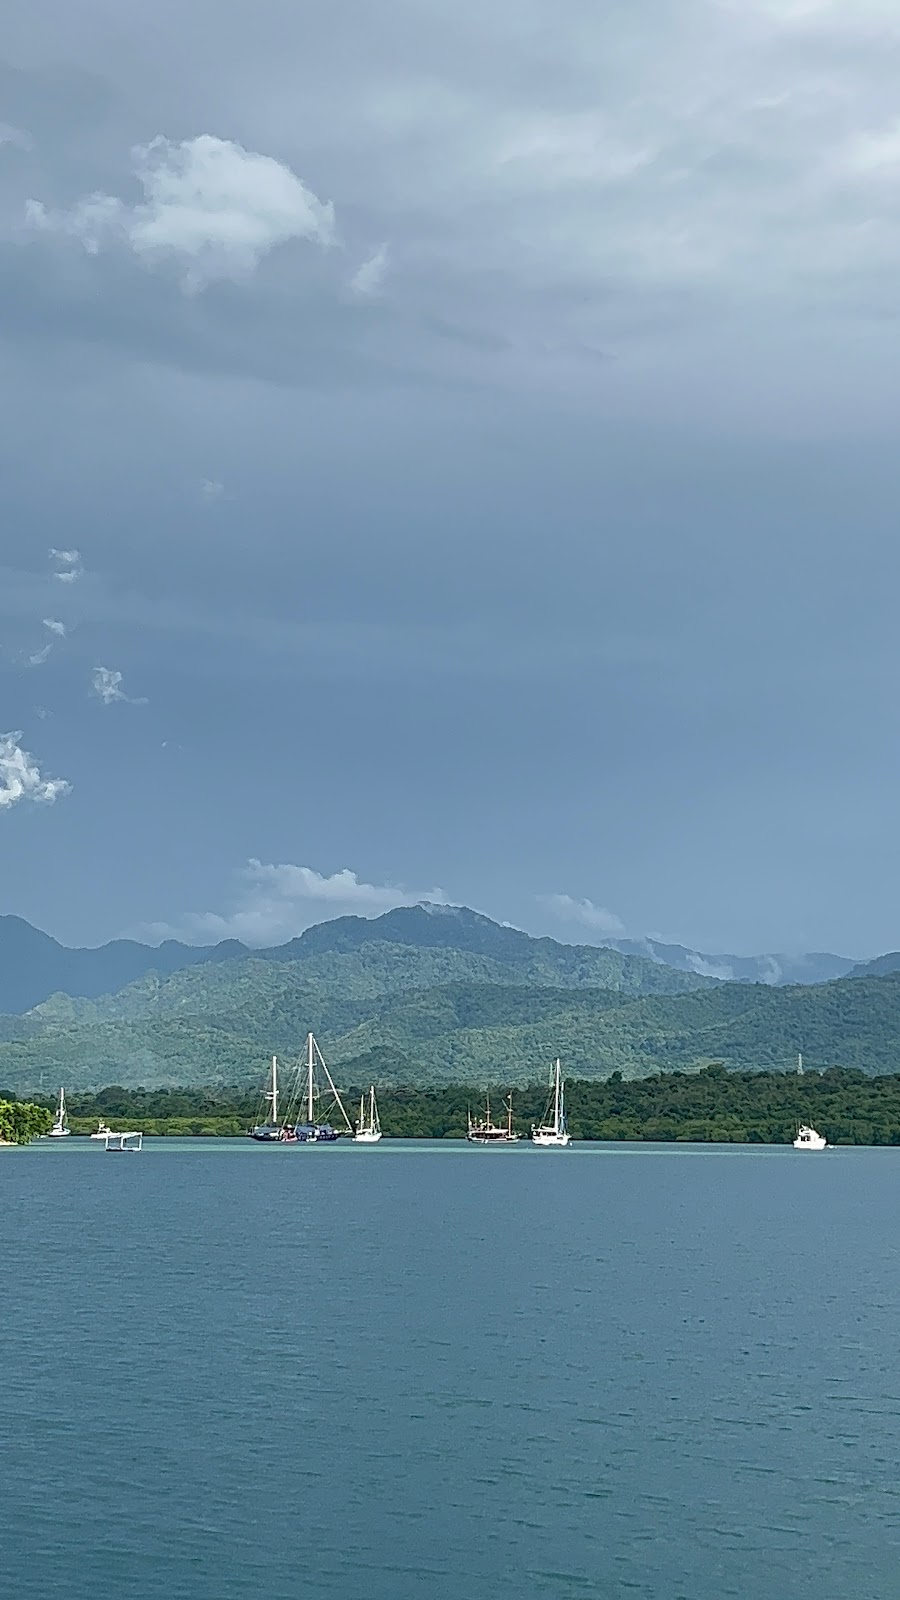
189, 1031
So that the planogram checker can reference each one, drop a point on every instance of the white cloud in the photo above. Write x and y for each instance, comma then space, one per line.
21, 778
106, 684
368, 280
211, 205
212, 489
585, 912
40, 656
68, 565
54, 626
278, 900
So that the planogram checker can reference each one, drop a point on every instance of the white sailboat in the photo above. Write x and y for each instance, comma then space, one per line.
553, 1133
314, 1131
809, 1139
368, 1128
60, 1129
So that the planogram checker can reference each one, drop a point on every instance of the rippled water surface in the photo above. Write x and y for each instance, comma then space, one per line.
453, 1373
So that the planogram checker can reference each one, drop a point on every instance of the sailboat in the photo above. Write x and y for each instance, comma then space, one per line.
60, 1129
552, 1132
368, 1128
314, 1130
271, 1131
481, 1130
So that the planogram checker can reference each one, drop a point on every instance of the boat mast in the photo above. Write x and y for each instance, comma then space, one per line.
372, 1108
800, 1066
62, 1107
556, 1101
274, 1094
509, 1114
310, 1069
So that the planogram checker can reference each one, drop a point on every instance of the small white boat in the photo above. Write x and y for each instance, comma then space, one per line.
123, 1143
60, 1129
553, 1133
368, 1128
102, 1130
809, 1139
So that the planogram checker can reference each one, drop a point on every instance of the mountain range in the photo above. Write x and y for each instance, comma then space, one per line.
422, 994
34, 966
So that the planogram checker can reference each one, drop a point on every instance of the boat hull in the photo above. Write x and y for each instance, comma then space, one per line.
366, 1137
551, 1141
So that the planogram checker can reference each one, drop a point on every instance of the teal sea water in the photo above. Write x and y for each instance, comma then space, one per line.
454, 1373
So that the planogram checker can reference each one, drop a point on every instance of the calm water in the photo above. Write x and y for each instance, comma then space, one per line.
230, 1371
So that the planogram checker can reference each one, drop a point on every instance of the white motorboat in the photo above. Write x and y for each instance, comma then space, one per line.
809, 1139
553, 1133
368, 1128
103, 1129
60, 1129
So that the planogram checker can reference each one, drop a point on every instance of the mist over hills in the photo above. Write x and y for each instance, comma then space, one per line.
421, 994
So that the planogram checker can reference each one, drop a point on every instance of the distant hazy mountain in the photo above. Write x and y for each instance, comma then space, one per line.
34, 966
879, 967
814, 967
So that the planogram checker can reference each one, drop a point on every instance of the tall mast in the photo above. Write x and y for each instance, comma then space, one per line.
800, 1066
372, 1108
509, 1114
274, 1094
310, 1069
556, 1105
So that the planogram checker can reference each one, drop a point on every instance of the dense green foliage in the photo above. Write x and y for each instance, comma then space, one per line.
20, 1122
464, 1032
713, 1105
441, 996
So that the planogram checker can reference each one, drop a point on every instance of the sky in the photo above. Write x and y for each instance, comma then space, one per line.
450, 451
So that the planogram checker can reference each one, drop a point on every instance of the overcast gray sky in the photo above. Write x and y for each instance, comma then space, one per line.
452, 449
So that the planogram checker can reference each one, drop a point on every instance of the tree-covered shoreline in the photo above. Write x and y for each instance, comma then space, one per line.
711, 1106
20, 1121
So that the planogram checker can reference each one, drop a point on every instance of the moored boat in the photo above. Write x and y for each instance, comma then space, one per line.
102, 1130
271, 1131
552, 1132
120, 1144
317, 1129
482, 1130
60, 1129
368, 1128
809, 1139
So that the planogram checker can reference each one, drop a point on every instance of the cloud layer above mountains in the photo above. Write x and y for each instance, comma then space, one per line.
470, 430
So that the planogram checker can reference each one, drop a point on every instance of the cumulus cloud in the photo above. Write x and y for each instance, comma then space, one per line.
585, 912
368, 279
68, 565
276, 901
209, 204
21, 777
106, 684
53, 625
40, 656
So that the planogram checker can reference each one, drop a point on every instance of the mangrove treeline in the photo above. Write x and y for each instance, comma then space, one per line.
714, 1105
